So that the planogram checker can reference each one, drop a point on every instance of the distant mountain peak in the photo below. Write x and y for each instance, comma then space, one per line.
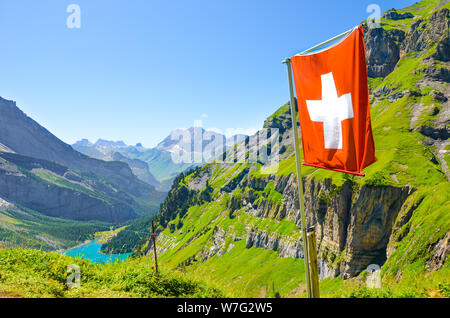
110, 143
83, 142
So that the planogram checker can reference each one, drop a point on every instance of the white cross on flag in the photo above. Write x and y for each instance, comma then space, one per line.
333, 100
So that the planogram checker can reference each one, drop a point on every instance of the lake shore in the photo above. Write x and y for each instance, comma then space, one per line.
79, 245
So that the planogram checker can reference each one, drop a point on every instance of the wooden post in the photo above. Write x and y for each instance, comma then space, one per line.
313, 264
154, 246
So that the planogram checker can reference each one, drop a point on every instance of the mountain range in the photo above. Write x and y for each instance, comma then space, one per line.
194, 146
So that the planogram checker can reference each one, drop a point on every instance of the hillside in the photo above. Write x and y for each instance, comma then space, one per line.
238, 223
36, 274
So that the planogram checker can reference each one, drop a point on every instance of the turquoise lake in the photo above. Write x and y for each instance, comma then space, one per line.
91, 251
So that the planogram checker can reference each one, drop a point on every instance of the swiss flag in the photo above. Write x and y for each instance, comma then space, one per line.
333, 100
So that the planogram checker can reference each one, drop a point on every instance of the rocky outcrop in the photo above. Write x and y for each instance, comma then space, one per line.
385, 47
439, 254
395, 15
234, 182
354, 223
382, 50
422, 33
285, 246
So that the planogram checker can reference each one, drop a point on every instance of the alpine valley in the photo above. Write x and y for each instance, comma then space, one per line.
231, 227
52, 196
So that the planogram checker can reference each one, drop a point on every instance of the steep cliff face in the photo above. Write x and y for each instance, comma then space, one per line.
350, 221
397, 215
383, 51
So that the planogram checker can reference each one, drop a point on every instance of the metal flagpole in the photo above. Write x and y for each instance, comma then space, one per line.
294, 118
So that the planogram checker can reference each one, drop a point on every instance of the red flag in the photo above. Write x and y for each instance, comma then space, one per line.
333, 100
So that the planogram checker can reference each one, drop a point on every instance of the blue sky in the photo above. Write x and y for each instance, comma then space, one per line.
138, 69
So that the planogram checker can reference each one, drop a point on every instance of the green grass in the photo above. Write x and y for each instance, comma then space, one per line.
253, 273
33, 273
415, 283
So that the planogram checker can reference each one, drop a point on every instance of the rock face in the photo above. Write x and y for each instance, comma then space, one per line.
382, 50
427, 39
440, 253
110, 151
371, 219
286, 247
385, 47
394, 15
422, 33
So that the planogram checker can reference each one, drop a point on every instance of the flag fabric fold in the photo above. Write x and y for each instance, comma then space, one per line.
333, 102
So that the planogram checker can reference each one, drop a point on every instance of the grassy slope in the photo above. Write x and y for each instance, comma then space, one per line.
33, 273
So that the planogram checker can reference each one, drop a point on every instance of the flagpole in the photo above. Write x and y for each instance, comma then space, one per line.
294, 118
315, 47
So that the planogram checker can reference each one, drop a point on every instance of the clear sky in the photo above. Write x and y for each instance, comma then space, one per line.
137, 69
